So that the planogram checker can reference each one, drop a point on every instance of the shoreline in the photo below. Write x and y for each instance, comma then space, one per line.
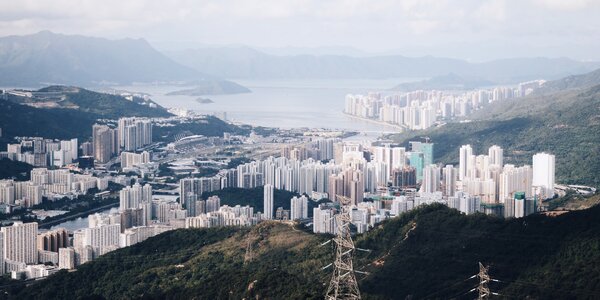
403, 128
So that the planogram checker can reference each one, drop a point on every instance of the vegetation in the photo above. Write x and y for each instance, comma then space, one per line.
428, 253
194, 263
253, 197
73, 117
17, 170
210, 126
565, 124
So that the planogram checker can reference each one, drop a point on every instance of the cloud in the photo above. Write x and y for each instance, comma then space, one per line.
372, 25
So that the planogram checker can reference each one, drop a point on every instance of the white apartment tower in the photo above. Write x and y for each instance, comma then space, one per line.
268, 201
543, 174
299, 208
465, 155
20, 242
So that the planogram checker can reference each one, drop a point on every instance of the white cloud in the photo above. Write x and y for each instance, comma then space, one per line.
375, 25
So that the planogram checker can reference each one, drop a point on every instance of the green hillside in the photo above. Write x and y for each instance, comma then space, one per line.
565, 124
255, 196
538, 256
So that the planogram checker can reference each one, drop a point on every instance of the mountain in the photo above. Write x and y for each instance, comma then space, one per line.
564, 123
49, 58
450, 81
428, 253
245, 62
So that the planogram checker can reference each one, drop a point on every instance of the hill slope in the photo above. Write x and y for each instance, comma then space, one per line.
538, 256
565, 123
73, 116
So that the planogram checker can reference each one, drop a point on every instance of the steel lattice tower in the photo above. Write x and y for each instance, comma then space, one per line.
343, 283
484, 279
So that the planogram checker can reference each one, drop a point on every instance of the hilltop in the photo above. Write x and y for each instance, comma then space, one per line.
429, 252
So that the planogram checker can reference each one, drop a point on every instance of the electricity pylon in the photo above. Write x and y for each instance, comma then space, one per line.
484, 279
343, 283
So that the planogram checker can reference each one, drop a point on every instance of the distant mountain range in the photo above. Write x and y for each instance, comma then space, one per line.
248, 63
49, 58
450, 81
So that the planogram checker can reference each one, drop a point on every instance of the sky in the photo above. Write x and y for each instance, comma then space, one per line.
475, 30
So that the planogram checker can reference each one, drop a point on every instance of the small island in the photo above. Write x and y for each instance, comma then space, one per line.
204, 100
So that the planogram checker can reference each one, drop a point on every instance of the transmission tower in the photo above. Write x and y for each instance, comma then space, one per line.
484, 279
343, 283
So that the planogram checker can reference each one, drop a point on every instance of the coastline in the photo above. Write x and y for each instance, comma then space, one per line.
403, 128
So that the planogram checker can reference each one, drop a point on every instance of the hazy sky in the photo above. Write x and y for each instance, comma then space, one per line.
470, 29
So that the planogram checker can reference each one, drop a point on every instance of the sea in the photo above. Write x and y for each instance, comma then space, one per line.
283, 103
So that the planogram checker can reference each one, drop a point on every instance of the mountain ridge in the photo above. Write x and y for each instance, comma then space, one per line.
247, 62
48, 58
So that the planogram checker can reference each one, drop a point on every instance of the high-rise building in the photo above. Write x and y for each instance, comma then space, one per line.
134, 133
417, 161
431, 179
449, 180
53, 240
103, 142
465, 154
496, 155
299, 208
20, 242
543, 175
268, 201
129, 159
66, 258
405, 177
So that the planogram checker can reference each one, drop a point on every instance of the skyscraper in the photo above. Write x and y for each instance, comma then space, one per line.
543, 174
20, 242
431, 179
449, 180
299, 208
103, 137
496, 155
268, 201
465, 154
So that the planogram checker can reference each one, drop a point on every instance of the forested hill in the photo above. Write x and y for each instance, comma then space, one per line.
66, 112
427, 253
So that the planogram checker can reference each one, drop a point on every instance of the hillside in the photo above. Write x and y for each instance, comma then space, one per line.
49, 58
248, 63
542, 257
14, 170
571, 82
254, 198
71, 116
101, 104
564, 123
